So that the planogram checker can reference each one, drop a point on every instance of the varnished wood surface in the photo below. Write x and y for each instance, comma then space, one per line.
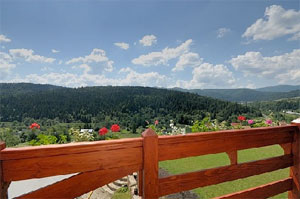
188, 181
181, 146
82, 183
263, 191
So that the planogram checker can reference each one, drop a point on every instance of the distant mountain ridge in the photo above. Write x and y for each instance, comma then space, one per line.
234, 95
248, 95
279, 88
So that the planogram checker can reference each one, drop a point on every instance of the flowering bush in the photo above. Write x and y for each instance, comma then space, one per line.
205, 125
241, 118
103, 131
78, 136
250, 122
34, 126
115, 128
268, 121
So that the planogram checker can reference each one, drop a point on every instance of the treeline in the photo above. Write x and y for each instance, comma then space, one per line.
128, 106
243, 94
292, 104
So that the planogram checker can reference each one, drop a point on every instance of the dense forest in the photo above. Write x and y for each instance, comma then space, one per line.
292, 104
128, 106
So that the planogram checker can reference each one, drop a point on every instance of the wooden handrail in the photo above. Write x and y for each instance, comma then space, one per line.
110, 160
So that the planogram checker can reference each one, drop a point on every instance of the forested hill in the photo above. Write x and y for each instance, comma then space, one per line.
279, 88
243, 94
125, 105
22, 88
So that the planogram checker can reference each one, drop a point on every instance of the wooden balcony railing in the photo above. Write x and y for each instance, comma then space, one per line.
99, 163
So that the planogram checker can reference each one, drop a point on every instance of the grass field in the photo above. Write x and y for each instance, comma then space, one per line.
215, 160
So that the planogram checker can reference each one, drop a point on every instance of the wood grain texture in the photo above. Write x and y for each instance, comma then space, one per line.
188, 181
263, 191
150, 166
140, 182
3, 185
67, 149
233, 157
295, 169
181, 146
287, 148
82, 183
70, 163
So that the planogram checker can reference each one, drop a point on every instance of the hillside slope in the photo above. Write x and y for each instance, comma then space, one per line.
120, 104
242, 94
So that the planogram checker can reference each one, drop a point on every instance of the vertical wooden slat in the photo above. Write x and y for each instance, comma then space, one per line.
233, 157
140, 183
150, 163
295, 169
4, 185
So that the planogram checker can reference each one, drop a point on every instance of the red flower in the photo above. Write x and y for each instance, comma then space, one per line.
115, 128
34, 125
156, 122
103, 131
241, 118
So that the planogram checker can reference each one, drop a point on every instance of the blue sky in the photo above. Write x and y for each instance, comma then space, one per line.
188, 44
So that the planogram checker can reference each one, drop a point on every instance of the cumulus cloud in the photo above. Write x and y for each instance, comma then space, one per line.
96, 56
55, 51
86, 68
276, 23
283, 67
209, 76
129, 77
162, 57
189, 59
221, 32
3, 39
29, 56
122, 45
148, 40
6, 64
134, 78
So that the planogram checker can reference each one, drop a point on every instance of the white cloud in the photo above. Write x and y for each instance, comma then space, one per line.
148, 40
60, 62
187, 60
162, 57
29, 55
127, 77
3, 38
209, 76
96, 56
122, 45
134, 78
55, 51
277, 23
86, 68
63, 79
221, 32
282, 67
6, 64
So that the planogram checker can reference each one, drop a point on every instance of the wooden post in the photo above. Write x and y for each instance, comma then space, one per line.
295, 169
150, 164
4, 185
